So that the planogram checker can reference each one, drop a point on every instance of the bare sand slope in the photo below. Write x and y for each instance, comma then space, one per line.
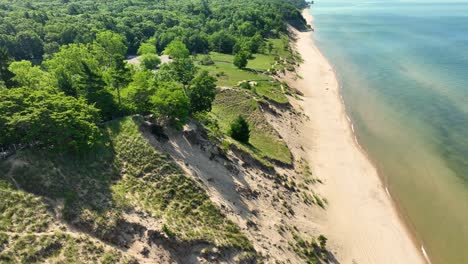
361, 222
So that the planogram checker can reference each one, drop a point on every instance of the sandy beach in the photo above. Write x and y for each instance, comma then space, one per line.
361, 220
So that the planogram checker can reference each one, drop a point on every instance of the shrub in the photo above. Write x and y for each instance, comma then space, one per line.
146, 48
245, 85
240, 130
177, 50
240, 59
323, 242
150, 61
206, 60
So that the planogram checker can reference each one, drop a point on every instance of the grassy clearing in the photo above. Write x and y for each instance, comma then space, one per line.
261, 62
229, 75
264, 140
280, 47
125, 172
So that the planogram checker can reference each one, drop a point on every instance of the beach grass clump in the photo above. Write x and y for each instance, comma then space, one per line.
123, 172
57, 247
312, 250
22, 212
265, 141
320, 201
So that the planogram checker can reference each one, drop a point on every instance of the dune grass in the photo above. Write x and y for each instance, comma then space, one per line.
57, 247
22, 212
123, 172
28, 234
271, 91
264, 140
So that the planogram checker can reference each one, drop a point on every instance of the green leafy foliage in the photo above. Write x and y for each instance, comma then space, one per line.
146, 48
5, 74
138, 93
202, 92
51, 120
78, 74
111, 44
30, 76
150, 61
206, 60
41, 27
177, 50
181, 70
169, 103
240, 130
241, 59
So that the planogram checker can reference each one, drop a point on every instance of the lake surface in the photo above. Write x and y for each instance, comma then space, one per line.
403, 70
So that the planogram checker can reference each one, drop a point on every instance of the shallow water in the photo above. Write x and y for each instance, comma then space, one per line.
403, 68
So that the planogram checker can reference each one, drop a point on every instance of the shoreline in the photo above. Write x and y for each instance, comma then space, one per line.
380, 228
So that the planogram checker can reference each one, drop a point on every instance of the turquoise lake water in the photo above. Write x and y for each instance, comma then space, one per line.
403, 70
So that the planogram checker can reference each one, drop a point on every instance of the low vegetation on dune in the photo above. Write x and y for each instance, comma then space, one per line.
30, 234
124, 174
265, 143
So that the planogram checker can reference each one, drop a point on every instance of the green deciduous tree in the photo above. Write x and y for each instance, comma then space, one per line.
241, 59
50, 120
247, 29
78, 74
29, 76
240, 130
177, 50
29, 45
181, 70
112, 43
146, 48
107, 46
5, 74
222, 42
67, 66
150, 61
170, 104
202, 92
140, 91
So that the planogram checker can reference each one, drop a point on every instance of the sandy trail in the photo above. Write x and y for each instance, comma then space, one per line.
361, 222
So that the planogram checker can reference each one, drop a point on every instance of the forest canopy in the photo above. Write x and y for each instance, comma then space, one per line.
63, 66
